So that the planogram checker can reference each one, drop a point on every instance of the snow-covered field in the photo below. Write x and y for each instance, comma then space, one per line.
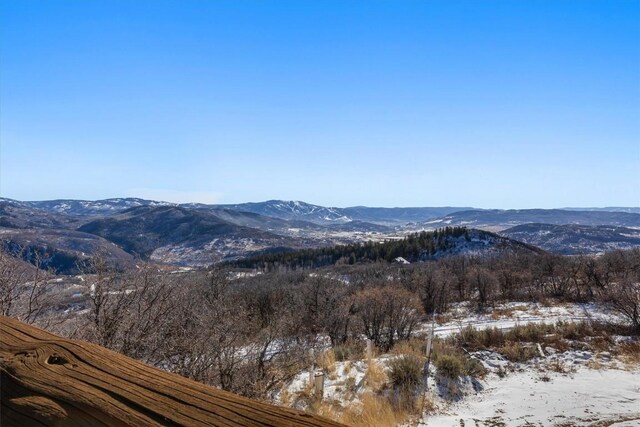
586, 397
595, 389
578, 387
509, 315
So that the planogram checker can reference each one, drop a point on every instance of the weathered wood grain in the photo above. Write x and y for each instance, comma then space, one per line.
53, 381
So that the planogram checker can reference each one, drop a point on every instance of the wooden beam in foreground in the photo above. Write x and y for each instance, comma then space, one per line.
53, 381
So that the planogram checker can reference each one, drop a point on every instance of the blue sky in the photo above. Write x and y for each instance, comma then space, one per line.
506, 104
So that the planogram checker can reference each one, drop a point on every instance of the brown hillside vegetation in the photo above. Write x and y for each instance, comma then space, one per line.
50, 380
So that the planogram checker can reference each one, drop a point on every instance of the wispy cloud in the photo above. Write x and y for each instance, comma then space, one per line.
175, 196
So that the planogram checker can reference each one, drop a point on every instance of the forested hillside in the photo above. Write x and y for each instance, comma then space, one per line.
421, 246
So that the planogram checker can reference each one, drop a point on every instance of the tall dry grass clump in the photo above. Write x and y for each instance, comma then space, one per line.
449, 366
517, 352
456, 361
406, 371
327, 362
375, 377
350, 350
374, 411
630, 352
414, 347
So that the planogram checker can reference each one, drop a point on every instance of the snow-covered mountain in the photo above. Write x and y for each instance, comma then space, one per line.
296, 210
93, 207
290, 210
83, 207
293, 210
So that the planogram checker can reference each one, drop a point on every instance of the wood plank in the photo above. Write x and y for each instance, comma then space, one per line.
49, 380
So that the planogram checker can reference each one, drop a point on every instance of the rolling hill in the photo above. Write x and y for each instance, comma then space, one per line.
421, 246
182, 236
295, 210
66, 232
501, 219
575, 239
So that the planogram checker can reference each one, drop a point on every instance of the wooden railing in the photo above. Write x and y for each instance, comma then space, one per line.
50, 380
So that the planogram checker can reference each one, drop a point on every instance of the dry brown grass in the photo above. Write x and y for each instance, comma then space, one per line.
351, 350
308, 392
595, 364
376, 377
448, 348
561, 336
428, 405
601, 343
285, 397
516, 352
630, 352
412, 347
406, 371
327, 409
374, 411
327, 362
560, 367
371, 411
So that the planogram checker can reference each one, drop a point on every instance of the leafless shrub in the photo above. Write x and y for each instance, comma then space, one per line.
24, 288
387, 314
623, 298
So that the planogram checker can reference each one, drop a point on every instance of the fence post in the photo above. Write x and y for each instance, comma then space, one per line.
319, 385
313, 366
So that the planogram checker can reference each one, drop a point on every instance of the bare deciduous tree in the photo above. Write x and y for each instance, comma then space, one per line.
387, 314
23, 287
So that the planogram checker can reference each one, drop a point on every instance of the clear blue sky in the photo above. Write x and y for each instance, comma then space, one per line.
507, 104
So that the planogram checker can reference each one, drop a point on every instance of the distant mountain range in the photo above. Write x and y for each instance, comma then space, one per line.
65, 232
287, 210
607, 209
90, 208
496, 218
572, 239
323, 215
309, 213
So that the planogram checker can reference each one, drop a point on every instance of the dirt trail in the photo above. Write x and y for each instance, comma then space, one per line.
50, 380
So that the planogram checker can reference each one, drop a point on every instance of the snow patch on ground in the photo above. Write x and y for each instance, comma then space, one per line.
578, 387
514, 314
525, 399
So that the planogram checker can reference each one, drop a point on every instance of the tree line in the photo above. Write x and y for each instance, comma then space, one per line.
414, 247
